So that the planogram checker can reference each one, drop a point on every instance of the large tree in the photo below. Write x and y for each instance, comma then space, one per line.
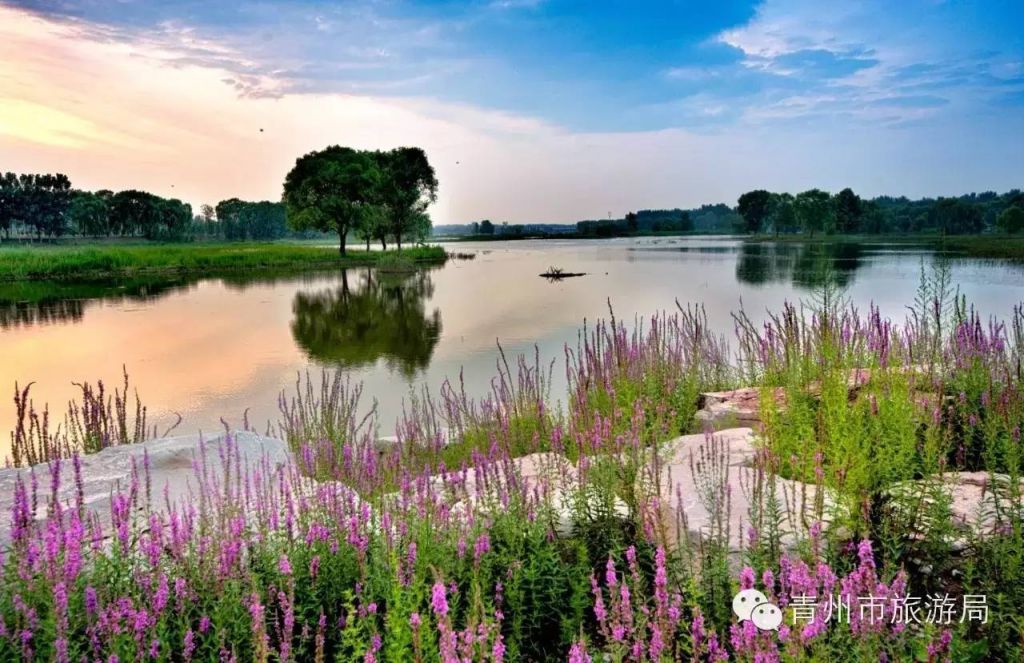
849, 211
89, 214
135, 212
173, 219
44, 202
332, 190
754, 207
783, 215
814, 210
1011, 219
408, 187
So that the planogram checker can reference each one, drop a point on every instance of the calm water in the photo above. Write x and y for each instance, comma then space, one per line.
212, 348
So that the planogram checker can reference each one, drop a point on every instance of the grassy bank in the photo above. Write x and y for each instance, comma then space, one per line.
1004, 247
95, 262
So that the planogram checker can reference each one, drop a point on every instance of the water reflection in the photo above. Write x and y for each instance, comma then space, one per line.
380, 316
802, 265
34, 303
40, 303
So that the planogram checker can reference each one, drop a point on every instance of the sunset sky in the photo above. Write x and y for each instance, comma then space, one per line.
530, 110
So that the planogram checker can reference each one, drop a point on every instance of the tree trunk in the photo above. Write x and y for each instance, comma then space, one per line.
367, 244
341, 243
383, 244
398, 241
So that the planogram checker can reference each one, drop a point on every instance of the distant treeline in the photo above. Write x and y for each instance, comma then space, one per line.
717, 218
47, 206
707, 218
816, 211
810, 212
504, 229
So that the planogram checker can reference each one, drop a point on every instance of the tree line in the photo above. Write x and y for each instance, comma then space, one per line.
45, 205
817, 211
706, 218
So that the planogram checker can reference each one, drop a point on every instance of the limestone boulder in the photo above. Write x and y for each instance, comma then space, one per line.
721, 410
709, 488
175, 467
980, 504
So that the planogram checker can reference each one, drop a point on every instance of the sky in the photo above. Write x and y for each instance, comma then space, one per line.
530, 110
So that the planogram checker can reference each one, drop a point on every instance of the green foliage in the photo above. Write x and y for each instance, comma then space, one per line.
38, 202
331, 190
377, 195
89, 214
814, 211
754, 207
407, 187
1011, 219
142, 214
952, 216
242, 220
849, 211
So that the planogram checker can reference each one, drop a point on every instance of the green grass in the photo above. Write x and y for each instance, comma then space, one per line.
93, 262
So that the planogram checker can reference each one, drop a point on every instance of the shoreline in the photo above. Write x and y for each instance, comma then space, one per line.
85, 263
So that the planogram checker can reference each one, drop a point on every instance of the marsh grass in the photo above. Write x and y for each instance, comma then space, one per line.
96, 420
80, 263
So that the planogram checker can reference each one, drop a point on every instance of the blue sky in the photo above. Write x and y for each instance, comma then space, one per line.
941, 80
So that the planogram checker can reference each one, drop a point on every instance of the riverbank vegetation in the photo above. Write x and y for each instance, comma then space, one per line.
109, 261
379, 195
508, 528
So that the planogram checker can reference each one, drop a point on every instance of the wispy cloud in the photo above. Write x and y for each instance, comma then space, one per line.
871, 61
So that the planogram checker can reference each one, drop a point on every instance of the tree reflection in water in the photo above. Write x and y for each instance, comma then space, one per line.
383, 316
806, 265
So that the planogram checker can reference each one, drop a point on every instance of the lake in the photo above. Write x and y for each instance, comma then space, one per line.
212, 348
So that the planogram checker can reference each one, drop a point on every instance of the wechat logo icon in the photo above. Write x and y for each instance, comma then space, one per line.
752, 605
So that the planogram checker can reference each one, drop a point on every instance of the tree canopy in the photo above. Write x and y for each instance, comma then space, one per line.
331, 190
408, 186
47, 206
754, 207
378, 195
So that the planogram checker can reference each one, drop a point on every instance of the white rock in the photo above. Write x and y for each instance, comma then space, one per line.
687, 490
172, 461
